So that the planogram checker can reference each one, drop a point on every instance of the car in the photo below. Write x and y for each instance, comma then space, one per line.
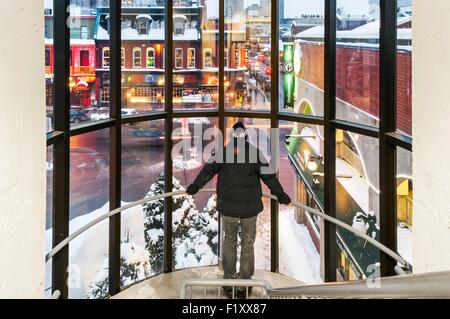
77, 116
128, 112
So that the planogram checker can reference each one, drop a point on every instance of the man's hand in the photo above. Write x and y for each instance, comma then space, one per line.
192, 189
284, 199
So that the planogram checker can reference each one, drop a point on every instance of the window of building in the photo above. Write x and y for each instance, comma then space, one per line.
191, 58
84, 58
84, 32
226, 58
137, 58
179, 28
150, 58
163, 57
47, 57
207, 58
178, 58
142, 27
105, 94
123, 55
105, 57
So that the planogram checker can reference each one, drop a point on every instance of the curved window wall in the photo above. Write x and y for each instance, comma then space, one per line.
154, 97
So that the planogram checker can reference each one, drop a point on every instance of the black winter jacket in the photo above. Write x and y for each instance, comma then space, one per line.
239, 191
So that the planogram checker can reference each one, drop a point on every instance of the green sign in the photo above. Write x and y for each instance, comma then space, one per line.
289, 75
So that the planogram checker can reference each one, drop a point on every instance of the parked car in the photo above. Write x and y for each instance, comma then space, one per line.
77, 116
128, 112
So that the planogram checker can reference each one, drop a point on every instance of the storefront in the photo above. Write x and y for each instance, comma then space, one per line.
356, 257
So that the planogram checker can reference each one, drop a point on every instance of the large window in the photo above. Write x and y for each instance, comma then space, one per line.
301, 175
358, 62
89, 189
142, 226
404, 68
248, 76
143, 40
195, 114
301, 59
357, 202
87, 58
194, 140
259, 136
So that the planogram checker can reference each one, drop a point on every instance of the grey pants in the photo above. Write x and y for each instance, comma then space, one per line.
248, 233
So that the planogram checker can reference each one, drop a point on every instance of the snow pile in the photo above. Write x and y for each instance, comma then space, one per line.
190, 164
134, 266
299, 258
404, 242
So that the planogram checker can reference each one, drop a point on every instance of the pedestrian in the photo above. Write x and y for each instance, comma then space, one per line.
240, 167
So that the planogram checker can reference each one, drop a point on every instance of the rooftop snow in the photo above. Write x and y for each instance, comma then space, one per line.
367, 31
144, 16
190, 34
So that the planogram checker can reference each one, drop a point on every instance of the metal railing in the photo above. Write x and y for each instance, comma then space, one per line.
399, 269
219, 283
418, 286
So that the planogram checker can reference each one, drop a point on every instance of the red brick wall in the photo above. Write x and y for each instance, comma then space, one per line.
404, 92
357, 78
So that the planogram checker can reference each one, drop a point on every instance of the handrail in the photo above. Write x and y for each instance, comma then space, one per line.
426, 285
116, 211
358, 233
207, 282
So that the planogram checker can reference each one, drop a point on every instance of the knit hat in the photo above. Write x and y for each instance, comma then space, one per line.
239, 130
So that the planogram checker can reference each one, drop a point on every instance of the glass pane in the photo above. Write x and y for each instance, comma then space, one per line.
357, 61
49, 58
88, 260
301, 175
404, 204
89, 198
85, 99
404, 67
195, 227
49, 222
196, 68
142, 57
142, 176
259, 135
247, 43
357, 203
302, 57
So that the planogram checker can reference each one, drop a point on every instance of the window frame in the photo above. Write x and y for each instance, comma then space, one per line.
135, 50
190, 59
106, 58
150, 49
179, 58
210, 59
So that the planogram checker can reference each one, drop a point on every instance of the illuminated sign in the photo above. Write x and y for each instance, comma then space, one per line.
289, 77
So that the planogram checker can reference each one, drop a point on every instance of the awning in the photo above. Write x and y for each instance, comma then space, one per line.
81, 85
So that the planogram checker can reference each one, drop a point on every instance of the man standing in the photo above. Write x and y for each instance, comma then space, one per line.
240, 167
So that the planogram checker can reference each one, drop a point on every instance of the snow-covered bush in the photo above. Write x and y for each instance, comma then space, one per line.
195, 235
